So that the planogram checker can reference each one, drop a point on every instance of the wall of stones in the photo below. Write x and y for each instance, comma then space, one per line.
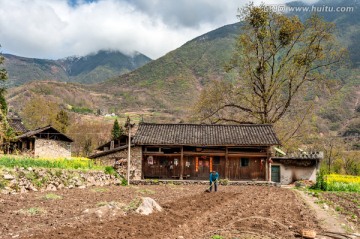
47, 148
116, 158
21, 180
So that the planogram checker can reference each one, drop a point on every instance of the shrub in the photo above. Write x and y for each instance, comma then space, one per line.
124, 182
224, 181
109, 170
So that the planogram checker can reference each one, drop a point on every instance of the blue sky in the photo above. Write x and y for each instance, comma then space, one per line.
55, 29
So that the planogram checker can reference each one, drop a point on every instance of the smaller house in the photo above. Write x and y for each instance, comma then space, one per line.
288, 169
43, 142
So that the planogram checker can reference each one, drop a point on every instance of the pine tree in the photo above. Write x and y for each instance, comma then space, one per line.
116, 131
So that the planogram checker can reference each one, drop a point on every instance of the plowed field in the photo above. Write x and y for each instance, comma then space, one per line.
189, 212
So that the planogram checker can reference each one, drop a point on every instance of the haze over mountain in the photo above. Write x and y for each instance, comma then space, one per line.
91, 68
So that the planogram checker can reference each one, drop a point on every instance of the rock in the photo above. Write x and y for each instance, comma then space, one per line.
325, 206
60, 186
82, 187
308, 233
30, 169
71, 186
109, 210
180, 237
51, 187
147, 206
9, 177
23, 189
5, 191
32, 188
78, 184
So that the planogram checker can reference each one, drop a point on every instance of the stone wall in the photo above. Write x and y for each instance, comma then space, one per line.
119, 159
47, 148
22, 180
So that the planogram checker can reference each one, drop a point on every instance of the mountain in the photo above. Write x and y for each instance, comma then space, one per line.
345, 14
175, 80
171, 84
88, 69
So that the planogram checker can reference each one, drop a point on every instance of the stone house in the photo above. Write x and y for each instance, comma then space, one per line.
45, 142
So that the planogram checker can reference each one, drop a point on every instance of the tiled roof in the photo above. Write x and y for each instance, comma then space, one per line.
110, 151
17, 125
205, 135
47, 130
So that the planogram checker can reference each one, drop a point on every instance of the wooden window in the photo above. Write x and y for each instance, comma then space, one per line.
216, 160
244, 162
152, 149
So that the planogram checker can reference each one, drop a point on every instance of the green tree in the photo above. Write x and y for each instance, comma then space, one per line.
62, 121
117, 130
274, 58
39, 112
4, 126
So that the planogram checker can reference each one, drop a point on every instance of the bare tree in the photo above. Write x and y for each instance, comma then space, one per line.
274, 57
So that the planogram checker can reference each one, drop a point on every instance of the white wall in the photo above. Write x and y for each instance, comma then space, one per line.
289, 174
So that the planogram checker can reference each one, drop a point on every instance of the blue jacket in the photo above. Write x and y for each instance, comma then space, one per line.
214, 177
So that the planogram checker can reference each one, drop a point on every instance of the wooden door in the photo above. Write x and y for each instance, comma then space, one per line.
275, 173
204, 168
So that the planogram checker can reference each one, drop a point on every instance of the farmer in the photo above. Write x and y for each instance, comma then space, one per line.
214, 178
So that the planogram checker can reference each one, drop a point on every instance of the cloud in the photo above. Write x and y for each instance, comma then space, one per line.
59, 28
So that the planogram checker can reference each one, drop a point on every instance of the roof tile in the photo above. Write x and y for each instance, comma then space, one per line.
205, 135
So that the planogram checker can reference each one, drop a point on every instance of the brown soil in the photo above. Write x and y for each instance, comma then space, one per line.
189, 212
347, 204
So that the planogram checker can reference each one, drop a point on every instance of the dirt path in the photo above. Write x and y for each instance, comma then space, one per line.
329, 220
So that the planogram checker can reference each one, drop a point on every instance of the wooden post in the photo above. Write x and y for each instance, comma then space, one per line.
129, 155
182, 163
267, 169
226, 163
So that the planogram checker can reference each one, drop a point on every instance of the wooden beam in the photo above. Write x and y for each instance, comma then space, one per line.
190, 153
226, 162
182, 163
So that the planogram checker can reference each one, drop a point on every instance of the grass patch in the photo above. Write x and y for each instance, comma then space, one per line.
32, 211
60, 163
111, 204
52, 196
99, 190
133, 205
146, 191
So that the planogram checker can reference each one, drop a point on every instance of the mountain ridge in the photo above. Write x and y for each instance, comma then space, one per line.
92, 68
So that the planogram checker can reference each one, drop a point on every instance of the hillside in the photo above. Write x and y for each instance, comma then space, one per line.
88, 69
167, 88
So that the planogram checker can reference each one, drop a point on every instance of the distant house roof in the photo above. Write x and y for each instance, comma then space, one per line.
107, 152
48, 132
206, 135
17, 125
107, 144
